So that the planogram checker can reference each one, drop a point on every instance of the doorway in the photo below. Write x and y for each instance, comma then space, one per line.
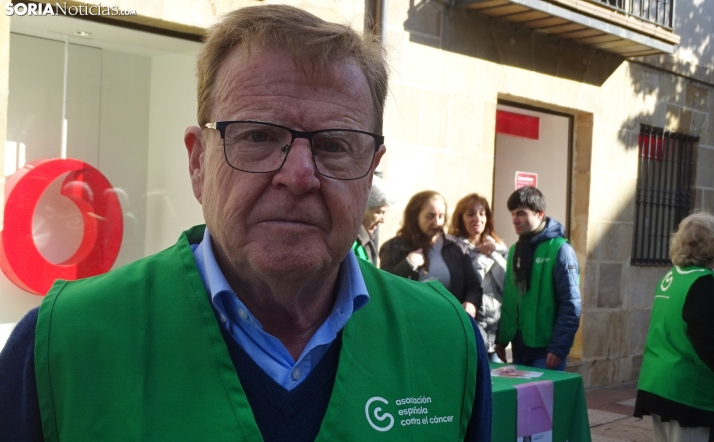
533, 147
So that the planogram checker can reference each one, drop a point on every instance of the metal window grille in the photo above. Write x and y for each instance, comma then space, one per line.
659, 12
664, 192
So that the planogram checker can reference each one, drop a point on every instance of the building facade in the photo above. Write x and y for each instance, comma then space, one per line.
615, 97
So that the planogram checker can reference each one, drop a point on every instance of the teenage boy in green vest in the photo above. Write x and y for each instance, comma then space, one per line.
262, 324
541, 299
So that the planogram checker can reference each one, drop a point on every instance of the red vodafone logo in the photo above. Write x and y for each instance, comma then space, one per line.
101, 212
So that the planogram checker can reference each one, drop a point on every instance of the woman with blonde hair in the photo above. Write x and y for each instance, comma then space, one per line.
676, 384
472, 223
422, 251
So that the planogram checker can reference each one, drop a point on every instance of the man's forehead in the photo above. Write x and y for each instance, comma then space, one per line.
255, 72
245, 55
523, 209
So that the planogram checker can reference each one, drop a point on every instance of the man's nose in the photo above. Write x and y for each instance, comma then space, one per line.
298, 172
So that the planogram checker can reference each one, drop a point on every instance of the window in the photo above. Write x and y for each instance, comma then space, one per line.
664, 192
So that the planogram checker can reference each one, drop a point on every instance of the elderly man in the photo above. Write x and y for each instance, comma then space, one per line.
262, 325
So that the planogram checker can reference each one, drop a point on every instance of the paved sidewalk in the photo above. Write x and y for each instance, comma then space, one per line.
610, 413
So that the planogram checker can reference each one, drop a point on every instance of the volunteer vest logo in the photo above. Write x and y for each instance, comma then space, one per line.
412, 411
377, 416
542, 260
666, 282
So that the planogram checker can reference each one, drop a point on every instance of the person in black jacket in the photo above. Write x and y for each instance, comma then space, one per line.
422, 251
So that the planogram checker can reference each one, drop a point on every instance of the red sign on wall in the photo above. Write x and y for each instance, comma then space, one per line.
101, 212
519, 125
524, 179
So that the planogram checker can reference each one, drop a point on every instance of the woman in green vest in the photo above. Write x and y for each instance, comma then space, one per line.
676, 383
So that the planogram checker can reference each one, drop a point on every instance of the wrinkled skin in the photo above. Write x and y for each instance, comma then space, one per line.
279, 237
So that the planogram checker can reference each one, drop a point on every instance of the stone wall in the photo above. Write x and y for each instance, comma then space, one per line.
618, 296
449, 69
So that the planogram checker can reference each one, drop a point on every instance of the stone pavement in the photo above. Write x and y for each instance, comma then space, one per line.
610, 414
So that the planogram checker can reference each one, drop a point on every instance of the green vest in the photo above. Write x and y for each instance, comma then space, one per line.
533, 313
670, 365
360, 251
137, 355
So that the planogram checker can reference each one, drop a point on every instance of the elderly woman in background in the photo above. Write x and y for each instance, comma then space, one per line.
472, 223
379, 201
676, 384
422, 251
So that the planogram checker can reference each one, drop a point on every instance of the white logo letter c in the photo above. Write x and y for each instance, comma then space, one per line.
377, 416
666, 282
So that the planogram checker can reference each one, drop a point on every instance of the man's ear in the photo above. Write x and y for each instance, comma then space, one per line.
196, 150
540, 215
377, 158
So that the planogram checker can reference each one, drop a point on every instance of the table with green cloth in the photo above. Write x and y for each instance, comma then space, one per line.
570, 412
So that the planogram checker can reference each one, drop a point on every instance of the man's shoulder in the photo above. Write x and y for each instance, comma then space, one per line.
383, 283
415, 301
131, 276
553, 230
561, 244
561, 249
373, 275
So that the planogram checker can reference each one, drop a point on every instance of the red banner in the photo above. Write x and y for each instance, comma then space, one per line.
519, 125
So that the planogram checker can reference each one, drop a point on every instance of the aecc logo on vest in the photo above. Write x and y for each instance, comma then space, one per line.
415, 412
666, 282
377, 415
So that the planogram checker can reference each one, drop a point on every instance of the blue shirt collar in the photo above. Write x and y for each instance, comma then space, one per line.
265, 349
351, 296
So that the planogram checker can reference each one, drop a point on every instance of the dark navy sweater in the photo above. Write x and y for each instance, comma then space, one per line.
281, 414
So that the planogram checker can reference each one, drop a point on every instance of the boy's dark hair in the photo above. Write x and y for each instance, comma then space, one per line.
528, 197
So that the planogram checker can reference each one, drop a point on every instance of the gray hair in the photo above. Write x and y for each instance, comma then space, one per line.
380, 194
693, 243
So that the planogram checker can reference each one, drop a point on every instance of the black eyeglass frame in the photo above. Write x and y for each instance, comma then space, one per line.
221, 126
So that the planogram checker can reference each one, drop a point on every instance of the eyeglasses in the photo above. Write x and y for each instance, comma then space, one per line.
257, 147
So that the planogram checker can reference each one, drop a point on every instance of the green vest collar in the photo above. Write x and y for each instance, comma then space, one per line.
407, 365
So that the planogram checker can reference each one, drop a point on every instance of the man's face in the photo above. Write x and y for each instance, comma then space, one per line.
525, 220
291, 223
